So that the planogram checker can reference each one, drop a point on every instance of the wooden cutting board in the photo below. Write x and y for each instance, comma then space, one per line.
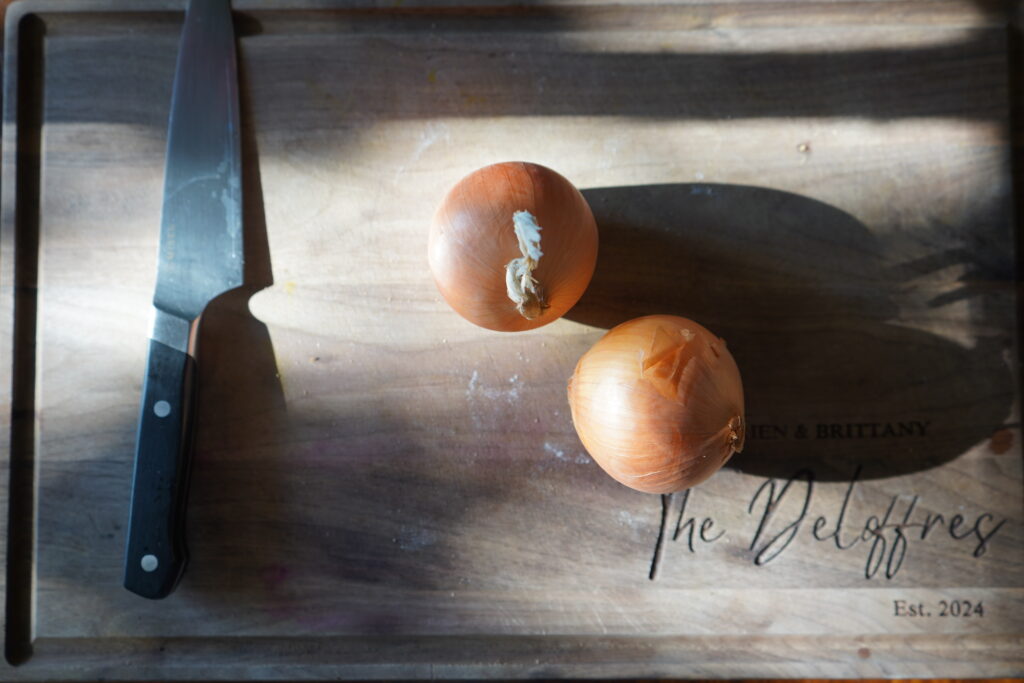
381, 489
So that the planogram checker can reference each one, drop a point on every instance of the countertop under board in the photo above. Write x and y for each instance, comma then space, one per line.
381, 489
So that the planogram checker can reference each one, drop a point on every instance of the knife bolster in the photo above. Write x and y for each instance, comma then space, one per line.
172, 330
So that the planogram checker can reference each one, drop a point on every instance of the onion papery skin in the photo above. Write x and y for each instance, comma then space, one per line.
658, 403
472, 240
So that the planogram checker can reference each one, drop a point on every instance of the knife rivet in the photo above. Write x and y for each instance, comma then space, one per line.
149, 563
162, 408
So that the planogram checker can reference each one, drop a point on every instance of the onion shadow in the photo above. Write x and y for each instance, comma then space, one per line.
818, 313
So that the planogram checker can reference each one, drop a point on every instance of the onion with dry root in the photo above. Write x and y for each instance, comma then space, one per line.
513, 246
658, 403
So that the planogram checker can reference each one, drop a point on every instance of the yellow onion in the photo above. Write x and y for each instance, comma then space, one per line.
512, 246
658, 403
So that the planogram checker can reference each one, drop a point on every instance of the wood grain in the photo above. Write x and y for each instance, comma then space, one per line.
382, 490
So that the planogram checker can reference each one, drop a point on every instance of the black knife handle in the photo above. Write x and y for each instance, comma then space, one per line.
155, 554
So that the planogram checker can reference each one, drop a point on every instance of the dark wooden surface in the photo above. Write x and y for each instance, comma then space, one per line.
382, 490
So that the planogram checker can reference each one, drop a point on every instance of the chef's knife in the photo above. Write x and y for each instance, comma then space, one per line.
200, 257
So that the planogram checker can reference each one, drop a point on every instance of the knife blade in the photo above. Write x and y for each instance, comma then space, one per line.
200, 257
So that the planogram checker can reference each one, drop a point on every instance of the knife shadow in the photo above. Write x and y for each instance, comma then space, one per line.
267, 482
241, 409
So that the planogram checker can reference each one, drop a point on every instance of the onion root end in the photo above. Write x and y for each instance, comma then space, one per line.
523, 289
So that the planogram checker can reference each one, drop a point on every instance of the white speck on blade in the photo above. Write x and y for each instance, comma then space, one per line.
230, 201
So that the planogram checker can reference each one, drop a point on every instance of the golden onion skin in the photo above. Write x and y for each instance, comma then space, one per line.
472, 240
658, 403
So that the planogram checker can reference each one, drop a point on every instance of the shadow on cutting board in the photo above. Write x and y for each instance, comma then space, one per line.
311, 517
820, 321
